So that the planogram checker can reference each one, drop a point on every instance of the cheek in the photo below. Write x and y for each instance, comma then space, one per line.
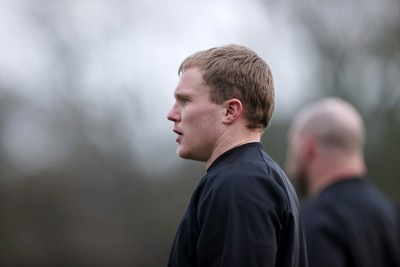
201, 120
293, 161
201, 130
297, 158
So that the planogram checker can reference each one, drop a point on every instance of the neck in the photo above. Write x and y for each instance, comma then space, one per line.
229, 141
334, 171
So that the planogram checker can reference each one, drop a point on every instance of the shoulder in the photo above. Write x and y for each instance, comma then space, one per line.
357, 198
347, 203
247, 170
250, 176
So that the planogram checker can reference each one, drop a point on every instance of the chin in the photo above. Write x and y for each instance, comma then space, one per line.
185, 154
182, 153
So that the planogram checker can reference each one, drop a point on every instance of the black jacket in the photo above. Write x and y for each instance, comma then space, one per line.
352, 224
244, 212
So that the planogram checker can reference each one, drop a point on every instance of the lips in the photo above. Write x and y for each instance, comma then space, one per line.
179, 133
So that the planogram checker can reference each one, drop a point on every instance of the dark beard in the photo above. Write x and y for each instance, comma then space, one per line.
301, 184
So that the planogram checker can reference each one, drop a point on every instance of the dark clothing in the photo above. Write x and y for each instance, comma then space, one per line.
352, 224
244, 212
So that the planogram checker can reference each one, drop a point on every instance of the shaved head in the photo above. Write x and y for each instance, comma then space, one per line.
326, 141
333, 122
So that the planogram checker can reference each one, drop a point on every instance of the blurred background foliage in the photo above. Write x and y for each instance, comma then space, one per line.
76, 186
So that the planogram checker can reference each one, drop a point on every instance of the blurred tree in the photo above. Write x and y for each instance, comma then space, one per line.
355, 48
72, 193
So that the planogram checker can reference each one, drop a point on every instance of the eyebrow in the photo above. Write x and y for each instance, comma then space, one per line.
182, 95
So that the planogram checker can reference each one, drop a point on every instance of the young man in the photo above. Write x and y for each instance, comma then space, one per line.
347, 221
244, 211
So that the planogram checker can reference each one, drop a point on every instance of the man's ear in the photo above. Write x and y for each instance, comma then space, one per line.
233, 110
309, 147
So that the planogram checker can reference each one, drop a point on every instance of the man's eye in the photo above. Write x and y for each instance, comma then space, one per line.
184, 101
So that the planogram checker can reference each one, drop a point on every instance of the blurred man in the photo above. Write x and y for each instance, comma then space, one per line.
244, 211
347, 221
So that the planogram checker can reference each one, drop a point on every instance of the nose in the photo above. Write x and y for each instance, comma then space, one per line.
173, 114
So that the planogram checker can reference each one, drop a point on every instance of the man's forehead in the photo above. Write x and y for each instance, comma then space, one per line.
183, 91
191, 86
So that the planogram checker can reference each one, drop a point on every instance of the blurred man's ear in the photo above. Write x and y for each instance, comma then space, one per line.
309, 148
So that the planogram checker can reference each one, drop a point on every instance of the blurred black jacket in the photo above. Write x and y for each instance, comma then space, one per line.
352, 224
